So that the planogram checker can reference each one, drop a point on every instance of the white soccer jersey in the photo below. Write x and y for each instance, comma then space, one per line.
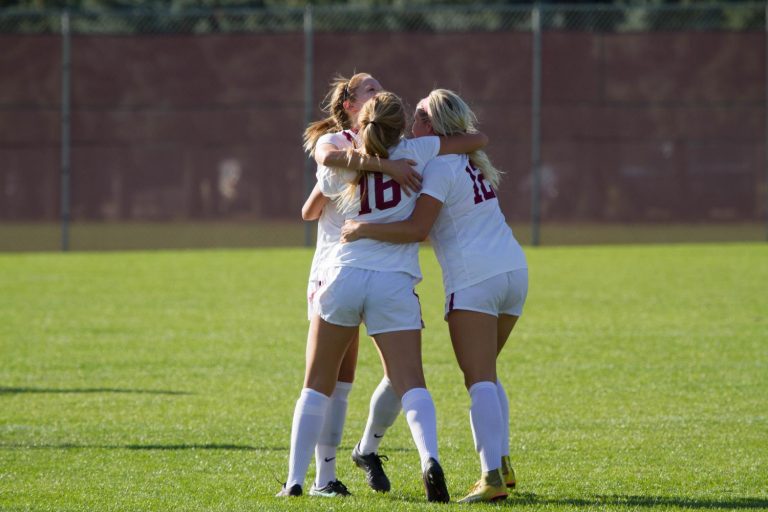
471, 238
381, 200
330, 221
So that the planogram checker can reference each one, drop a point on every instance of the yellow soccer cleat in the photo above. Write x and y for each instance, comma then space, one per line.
489, 488
508, 472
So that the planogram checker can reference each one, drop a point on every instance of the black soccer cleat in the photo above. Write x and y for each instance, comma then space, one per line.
374, 471
332, 490
294, 490
434, 482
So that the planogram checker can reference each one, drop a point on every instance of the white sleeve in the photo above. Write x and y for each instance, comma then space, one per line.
332, 181
438, 180
336, 139
426, 148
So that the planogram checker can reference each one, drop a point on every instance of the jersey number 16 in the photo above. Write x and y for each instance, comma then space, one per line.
379, 187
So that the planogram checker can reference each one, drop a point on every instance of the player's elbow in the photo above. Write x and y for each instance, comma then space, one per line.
309, 211
420, 233
308, 214
323, 158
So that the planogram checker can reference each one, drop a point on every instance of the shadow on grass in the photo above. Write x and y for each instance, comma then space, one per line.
619, 500
207, 446
521, 499
183, 446
210, 446
15, 391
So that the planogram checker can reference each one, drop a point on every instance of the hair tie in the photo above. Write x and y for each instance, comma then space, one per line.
424, 105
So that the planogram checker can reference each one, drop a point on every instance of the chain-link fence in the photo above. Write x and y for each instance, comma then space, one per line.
183, 129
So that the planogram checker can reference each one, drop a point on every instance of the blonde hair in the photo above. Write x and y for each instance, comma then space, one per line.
382, 125
342, 89
450, 115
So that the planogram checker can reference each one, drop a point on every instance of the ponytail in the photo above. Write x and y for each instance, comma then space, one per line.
450, 115
480, 161
342, 89
382, 124
316, 130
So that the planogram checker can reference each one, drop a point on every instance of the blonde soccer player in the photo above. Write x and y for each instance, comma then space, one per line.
338, 131
374, 282
485, 275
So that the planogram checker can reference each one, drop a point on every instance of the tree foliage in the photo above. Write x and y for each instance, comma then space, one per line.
217, 16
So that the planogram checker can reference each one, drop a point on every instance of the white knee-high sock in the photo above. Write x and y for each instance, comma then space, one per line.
384, 409
330, 435
485, 418
504, 403
422, 419
308, 418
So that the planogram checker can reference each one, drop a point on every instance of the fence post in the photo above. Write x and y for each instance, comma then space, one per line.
536, 127
308, 103
65, 129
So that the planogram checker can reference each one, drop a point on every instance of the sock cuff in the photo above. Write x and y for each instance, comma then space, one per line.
479, 386
342, 390
311, 393
414, 395
313, 401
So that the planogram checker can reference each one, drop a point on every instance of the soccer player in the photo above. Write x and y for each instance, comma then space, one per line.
484, 273
338, 131
374, 281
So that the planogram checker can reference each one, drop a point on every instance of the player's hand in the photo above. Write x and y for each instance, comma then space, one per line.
403, 172
349, 231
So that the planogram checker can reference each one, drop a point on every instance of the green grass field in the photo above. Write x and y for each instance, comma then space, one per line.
638, 380
112, 236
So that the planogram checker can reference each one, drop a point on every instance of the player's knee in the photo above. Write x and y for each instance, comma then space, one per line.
474, 375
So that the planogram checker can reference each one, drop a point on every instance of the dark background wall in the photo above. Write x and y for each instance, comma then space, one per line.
635, 126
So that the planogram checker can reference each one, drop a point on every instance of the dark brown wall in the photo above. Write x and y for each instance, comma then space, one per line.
663, 126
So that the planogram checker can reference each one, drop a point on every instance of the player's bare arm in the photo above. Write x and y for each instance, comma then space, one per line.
401, 171
314, 204
414, 229
464, 143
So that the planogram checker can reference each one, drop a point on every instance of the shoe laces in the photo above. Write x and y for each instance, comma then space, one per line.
337, 486
377, 459
282, 484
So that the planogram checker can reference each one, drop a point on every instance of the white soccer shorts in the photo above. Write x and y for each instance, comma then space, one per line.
312, 288
384, 301
502, 294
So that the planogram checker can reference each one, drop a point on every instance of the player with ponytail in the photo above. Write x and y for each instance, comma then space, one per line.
374, 282
485, 275
337, 133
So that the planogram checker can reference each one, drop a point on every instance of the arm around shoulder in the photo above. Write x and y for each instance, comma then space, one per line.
326, 153
313, 206
464, 143
414, 229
